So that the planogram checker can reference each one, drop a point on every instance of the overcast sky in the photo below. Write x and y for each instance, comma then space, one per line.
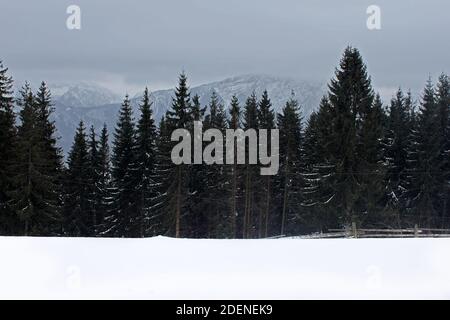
126, 45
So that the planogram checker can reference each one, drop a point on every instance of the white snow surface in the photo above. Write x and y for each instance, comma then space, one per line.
166, 268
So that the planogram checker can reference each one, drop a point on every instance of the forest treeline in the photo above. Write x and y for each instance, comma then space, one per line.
354, 160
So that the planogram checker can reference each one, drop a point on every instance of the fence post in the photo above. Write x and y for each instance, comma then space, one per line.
355, 232
416, 230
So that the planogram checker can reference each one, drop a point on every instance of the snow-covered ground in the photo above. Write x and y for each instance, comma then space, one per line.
160, 268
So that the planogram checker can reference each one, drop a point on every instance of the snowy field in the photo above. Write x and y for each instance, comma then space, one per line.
160, 268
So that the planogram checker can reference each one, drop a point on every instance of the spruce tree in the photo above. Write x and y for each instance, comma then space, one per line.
125, 219
266, 119
443, 105
197, 111
94, 198
8, 140
78, 188
318, 177
198, 187
250, 121
217, 203
51, 152
234, 171
311, 176
146, 184
163, 169
33, 196
398, 132
289, 178
178, 117
371, 166
426, 179
351, 98
103, 199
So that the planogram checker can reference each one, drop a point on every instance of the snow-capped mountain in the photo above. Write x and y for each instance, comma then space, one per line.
82, 95
96, 106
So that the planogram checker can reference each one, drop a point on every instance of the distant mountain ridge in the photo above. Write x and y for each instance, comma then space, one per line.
96, 105
82, 95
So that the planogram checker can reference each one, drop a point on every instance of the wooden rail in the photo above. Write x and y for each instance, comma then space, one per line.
354, 232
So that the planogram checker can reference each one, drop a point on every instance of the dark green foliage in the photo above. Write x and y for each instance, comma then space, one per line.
103, 198
78, 206
266, 119
397, 142
351, 99
198, 206
319, 171
215, 178
163, 169
234, 173
371, 166
99, 185
146, 182
251, 172
353, 162
51, 152
428, 184
289, 179
427, 153
443, 105
8, 140
34, 197
125, 219
177, 206
180, 115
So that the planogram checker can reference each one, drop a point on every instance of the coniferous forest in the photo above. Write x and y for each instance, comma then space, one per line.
356, 159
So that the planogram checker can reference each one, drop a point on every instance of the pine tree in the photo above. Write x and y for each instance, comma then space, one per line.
179, 117
103, 201
146, 166
125, 219
289, 179
51, 152
266, 119
426, 178
443, 105
235, 170
318, 177
217, 203
411, 161
311, 176
398, 132
250, 121
351, 97
33, 199
371, 166
163, 169
8, 140
94, 199
198, 188
77, 188
197, 111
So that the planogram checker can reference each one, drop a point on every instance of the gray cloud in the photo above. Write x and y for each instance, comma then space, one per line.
129, 44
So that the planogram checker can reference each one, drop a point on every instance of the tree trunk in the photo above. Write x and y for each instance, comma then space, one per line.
178, 204
246, 207
141, 222
266, 231
285, 199
250, 205
28, 191
233, 202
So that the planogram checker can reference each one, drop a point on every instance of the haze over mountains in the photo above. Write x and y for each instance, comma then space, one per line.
96, 105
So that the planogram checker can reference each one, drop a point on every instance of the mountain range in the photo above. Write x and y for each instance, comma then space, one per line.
96, 105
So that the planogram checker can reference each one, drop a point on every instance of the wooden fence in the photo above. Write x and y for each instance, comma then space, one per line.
354, 232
